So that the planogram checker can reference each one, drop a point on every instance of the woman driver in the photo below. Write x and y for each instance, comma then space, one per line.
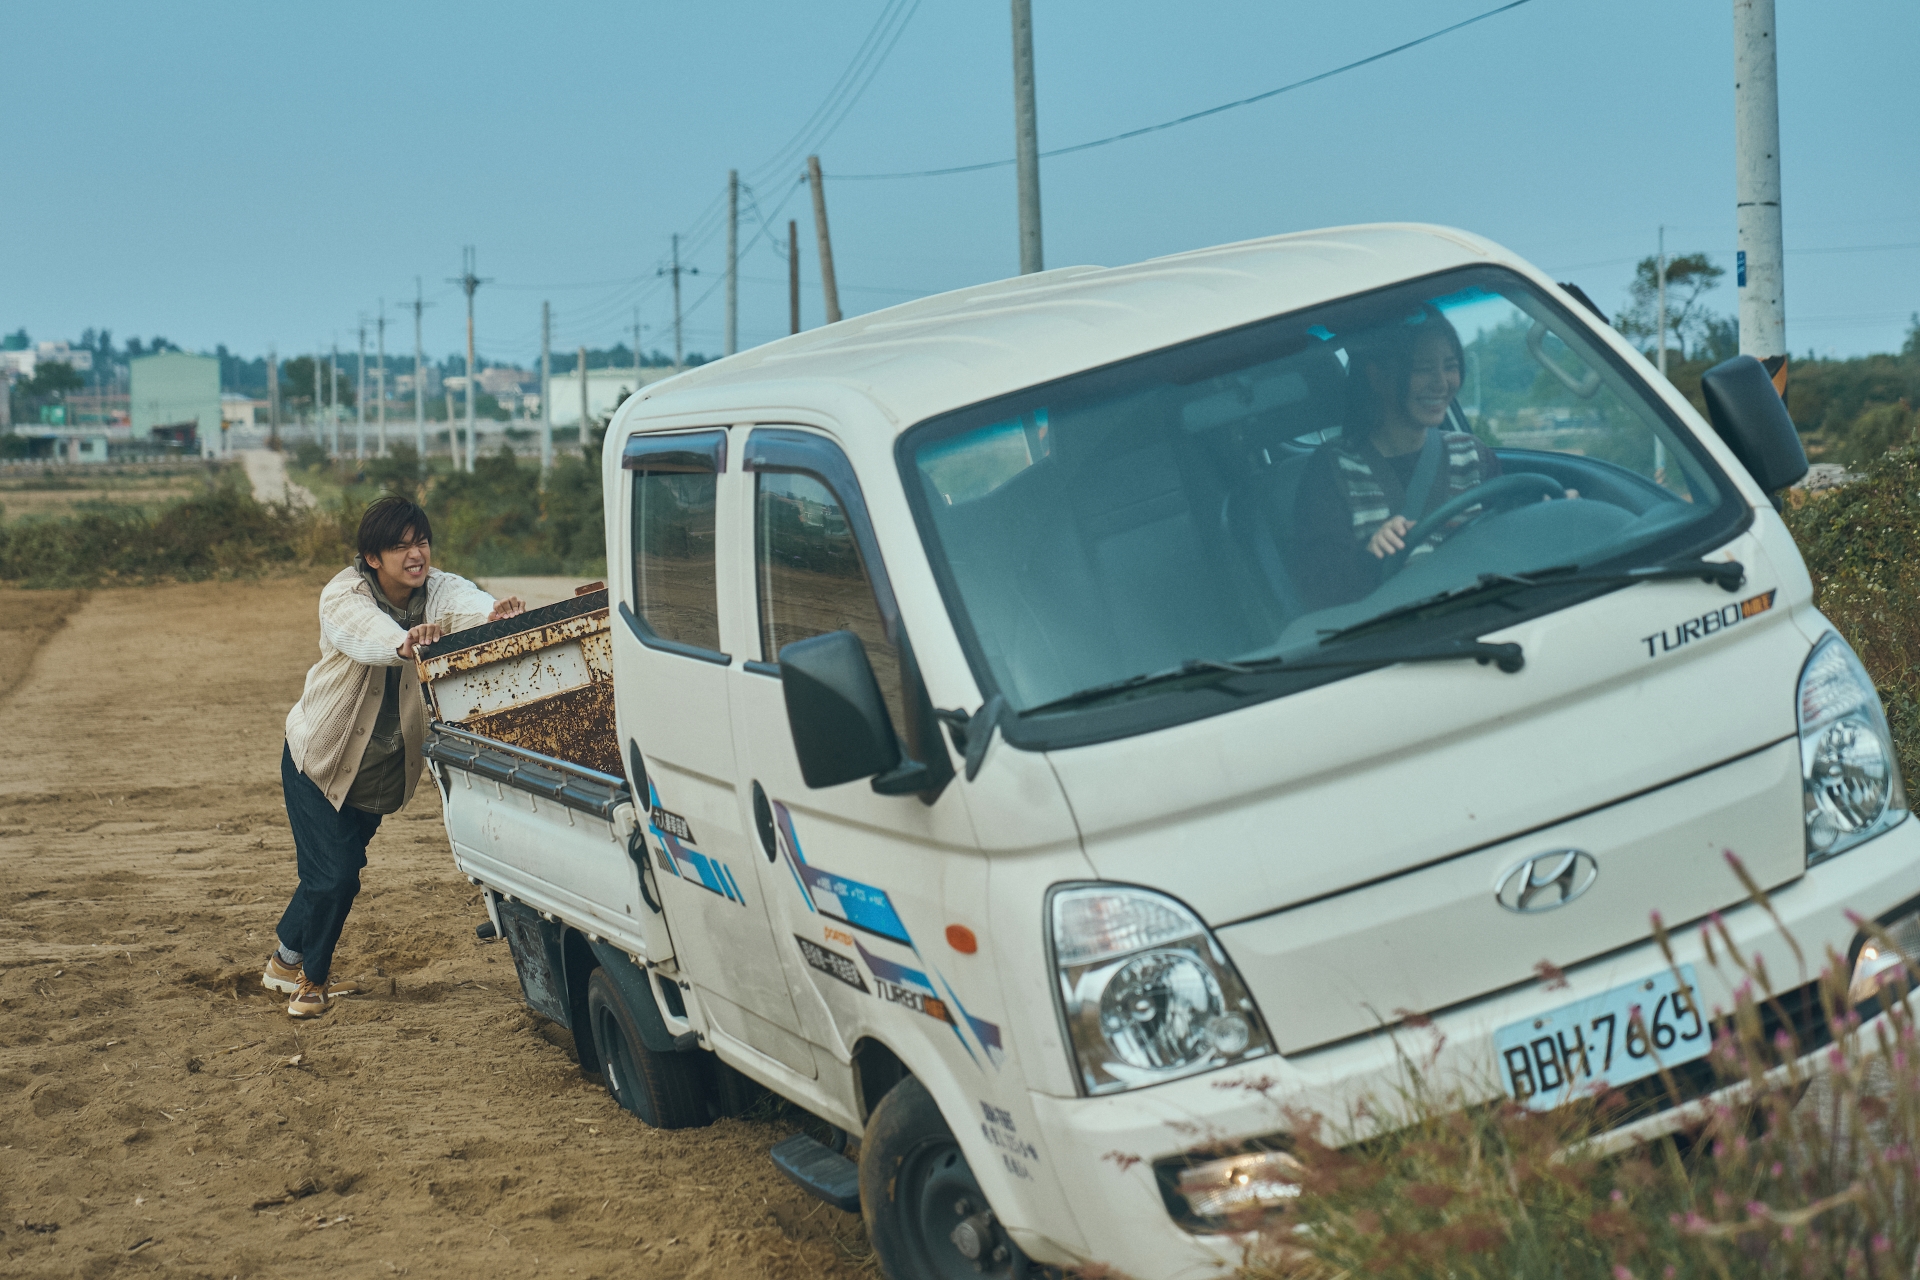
1393, 462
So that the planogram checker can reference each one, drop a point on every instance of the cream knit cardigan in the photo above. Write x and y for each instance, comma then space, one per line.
328, 729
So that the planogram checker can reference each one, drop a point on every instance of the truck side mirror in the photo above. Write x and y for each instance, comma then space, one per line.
834, 710
1751, 418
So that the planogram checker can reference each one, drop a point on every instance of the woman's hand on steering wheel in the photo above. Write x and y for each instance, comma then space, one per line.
1389, 538
1499, 494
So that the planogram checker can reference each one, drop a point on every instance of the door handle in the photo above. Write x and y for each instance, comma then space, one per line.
763, 821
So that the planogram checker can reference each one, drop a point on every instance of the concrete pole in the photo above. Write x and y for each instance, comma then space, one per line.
733, 262
333, 396
360, 398
1759, 266
546, 388
1026, 138
380, 398
583, 397
677, 352
273, 398
1661, 261
828, 289
419, 380
793, 275
318, 418
473, 450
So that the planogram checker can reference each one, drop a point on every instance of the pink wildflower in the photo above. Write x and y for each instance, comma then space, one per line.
1755, 1209
1621, 1273
1617, 1195
1777, 1169
1881, 1244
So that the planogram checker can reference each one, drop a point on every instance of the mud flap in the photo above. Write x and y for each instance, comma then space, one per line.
537, 959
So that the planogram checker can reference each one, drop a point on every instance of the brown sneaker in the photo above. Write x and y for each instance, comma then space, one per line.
310, 1001
280, 977
345, 987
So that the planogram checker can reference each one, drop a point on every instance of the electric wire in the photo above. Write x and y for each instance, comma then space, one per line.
1191, 116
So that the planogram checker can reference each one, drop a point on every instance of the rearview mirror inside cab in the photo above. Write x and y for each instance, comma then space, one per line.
834, 710
1749, 415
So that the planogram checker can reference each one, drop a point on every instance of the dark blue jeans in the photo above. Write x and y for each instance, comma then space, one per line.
330, 846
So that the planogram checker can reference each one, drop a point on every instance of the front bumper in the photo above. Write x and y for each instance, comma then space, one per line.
1106, 1147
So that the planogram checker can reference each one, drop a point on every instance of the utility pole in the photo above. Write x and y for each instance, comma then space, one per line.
273, 399
333, 392
318, 420
1759, 265
636, 350
678, 353
360, 396
468, 281
419, 380
546, 389
583, 397
793, 276
1661, 261
381, 376
1026, 137
828, 288
733, 262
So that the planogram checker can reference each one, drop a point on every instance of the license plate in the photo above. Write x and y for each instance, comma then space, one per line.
1599, 1042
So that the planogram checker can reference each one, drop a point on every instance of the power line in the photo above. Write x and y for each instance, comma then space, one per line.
1191, 117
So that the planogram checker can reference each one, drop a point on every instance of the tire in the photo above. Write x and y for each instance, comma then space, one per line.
665, 1090
917, 1190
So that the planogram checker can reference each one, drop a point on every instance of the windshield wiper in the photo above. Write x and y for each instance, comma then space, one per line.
1729, 574
1507, 656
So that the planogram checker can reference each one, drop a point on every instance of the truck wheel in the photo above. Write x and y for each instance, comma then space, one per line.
663, 1089
925, 1213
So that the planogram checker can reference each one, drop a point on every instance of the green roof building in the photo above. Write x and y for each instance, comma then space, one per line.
174, 390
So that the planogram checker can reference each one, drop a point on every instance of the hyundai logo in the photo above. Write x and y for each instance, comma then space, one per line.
1547, 880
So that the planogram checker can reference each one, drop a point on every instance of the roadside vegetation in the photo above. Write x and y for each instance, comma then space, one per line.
1796, 1174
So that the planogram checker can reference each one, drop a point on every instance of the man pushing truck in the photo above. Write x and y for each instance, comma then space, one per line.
352, 752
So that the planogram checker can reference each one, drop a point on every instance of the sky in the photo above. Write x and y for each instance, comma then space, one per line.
246, 175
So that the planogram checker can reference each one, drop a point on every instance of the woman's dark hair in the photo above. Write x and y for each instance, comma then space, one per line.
387, 521
1391, 346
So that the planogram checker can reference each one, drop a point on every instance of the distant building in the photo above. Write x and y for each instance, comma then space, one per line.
176, 396
403, 384
502, 381
606, 388
239, 411
23, 363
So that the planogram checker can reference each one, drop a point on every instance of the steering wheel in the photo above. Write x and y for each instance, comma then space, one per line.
1502, 493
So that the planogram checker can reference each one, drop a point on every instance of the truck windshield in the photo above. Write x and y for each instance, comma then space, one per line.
1246, 494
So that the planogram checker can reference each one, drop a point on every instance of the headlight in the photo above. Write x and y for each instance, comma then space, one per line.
1878, 967
1852, 781
1146, 992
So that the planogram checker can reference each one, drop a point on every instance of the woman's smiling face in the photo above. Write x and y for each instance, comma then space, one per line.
1432, 381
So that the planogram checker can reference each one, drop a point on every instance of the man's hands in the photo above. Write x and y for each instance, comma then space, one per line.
425, 633
511, 607
1389, 537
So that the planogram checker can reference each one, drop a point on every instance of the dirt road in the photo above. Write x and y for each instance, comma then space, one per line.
159, 1113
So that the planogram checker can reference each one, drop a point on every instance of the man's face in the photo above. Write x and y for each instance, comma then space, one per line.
406, 563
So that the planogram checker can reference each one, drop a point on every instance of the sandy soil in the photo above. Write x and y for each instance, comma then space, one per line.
159, 1113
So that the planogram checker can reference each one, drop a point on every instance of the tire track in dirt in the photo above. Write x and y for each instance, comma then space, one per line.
151, 1094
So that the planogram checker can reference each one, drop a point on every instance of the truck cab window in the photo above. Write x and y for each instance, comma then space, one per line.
809, 576
674, 588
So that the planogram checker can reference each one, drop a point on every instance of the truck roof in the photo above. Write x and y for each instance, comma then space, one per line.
954, 349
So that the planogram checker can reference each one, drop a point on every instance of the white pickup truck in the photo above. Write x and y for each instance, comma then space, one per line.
1043, 729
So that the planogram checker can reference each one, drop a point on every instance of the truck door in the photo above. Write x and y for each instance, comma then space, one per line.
858, 880
670, 675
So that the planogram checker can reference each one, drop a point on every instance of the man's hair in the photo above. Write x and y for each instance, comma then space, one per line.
388, 520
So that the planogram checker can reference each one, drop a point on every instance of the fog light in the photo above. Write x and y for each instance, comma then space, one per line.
1878, 966
1220, 1191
